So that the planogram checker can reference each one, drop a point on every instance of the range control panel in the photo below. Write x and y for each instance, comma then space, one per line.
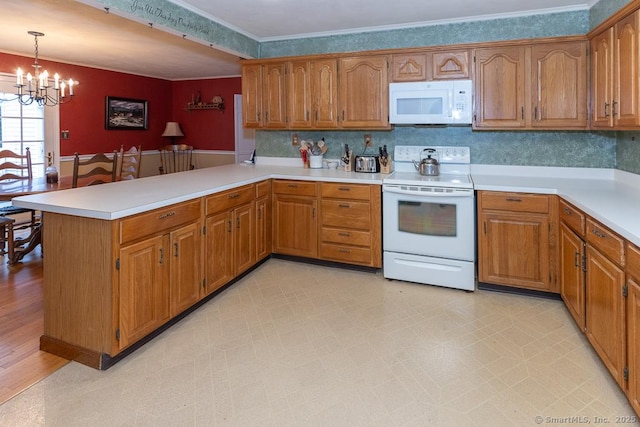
408, 153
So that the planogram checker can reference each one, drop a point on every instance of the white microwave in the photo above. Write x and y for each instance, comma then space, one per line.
435, 102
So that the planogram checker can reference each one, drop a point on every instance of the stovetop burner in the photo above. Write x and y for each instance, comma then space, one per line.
454, 167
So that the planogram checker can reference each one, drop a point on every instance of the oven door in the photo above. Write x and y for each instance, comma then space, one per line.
438, 223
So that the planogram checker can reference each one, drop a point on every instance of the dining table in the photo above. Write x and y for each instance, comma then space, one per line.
23, 187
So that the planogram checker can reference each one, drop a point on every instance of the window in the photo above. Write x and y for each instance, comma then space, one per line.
23, 126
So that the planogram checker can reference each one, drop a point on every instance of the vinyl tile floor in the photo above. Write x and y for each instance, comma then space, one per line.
294, 344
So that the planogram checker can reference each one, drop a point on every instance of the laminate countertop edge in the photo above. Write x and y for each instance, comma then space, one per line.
610, 196
124, 198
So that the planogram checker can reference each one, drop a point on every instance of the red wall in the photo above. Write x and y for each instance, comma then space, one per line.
206, 129
84, 116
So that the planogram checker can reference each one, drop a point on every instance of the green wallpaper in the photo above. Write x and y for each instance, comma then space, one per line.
547, 25
541, 148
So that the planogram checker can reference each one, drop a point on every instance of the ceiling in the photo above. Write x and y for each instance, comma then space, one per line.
85, 35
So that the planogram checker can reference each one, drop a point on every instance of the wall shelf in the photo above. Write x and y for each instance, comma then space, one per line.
205, 106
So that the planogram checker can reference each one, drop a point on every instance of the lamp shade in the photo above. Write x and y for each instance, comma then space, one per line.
172, 129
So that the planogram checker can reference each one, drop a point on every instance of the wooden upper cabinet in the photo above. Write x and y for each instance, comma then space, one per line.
424, 66
274, 95
410, 67
500, 87
363, 92
559, 85
449, 65
324, 84
626, 78
602, 79
299, 94
252, 95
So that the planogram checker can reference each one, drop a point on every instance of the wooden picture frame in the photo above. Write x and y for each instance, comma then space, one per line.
125, 114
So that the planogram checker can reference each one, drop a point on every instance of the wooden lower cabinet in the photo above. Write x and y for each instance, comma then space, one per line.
139, 272
350, 223
336, 222
605, 311
230, 235
296, 225
572, 274
633, 343
516, 235
144, 291
263, 230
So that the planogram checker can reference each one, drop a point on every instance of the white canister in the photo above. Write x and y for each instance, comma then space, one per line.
315, 162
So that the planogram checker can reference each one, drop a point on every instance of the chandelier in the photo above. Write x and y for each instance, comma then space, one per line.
38, 86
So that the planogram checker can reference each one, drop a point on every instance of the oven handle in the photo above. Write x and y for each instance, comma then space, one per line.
458, 193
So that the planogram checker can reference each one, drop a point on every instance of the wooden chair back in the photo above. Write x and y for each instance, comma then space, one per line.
176, 158
129, 162
99, 169
14, 166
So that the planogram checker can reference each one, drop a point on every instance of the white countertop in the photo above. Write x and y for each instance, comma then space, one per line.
120, 199
608, 195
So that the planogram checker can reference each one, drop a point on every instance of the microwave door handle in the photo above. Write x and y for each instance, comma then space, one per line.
450, 112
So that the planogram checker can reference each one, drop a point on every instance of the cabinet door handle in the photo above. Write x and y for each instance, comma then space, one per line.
344, 205
292, 185
260, 212
229, 226
344, 251
344, 234
237, 222
234, 196
535, 114
522, 112
606, 107
567, 211
344, 188
313, 213
175, 249
161, 256
613, 108
513, 199
577, 260
599, 233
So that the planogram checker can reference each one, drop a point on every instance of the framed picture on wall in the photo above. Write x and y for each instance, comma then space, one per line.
125, 113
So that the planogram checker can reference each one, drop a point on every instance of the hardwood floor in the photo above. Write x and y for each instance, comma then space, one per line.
22, 364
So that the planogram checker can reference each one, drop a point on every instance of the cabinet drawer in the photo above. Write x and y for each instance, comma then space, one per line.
263, 189
346, 214
346, 191
573, 217
298, 188
633, 261
518, 202
159, 220
606, 241
346, 237
343, 253
228, 199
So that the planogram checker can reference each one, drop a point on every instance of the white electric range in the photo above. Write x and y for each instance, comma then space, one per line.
429, 221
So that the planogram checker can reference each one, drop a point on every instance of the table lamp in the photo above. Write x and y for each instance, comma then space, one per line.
172, 130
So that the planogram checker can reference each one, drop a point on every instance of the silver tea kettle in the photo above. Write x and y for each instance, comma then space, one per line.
428, 165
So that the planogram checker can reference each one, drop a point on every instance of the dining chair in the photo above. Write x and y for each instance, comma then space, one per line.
176, 158
16, 167
6, 237
129, 162
99, 169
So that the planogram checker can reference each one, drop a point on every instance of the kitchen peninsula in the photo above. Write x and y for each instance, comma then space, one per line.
125, 259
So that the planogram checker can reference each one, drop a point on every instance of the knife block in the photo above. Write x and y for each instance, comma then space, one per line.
388, 168
348, 166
